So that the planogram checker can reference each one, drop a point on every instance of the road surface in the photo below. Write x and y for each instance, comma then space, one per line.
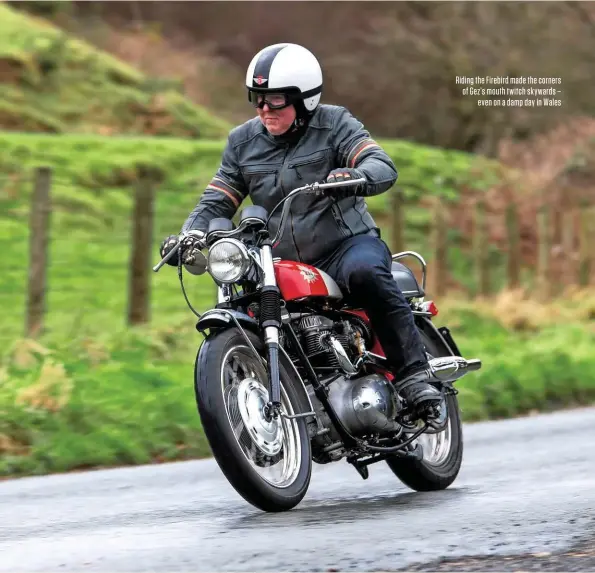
527, 487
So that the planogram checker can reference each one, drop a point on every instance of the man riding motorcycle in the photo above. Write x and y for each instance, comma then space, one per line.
296, 140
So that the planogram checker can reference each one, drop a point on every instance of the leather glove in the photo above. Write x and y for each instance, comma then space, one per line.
344, 174
190, 240
166, 246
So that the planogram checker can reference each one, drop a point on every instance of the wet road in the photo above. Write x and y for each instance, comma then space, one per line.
527, 486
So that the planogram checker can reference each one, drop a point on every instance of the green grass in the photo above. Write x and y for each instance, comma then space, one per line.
53, 82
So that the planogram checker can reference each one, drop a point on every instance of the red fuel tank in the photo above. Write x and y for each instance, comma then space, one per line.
299, 280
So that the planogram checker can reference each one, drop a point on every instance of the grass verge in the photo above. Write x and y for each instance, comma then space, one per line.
52, 82
93, 181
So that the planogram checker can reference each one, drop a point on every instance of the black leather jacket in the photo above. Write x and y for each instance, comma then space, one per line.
267, 168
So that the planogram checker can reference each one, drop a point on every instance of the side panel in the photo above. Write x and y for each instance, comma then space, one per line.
377, 348
299, 280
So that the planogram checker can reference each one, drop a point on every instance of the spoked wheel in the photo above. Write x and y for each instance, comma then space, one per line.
272, 446
267, 460
442, 451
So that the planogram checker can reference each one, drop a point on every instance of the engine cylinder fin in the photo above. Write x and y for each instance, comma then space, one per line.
314, 328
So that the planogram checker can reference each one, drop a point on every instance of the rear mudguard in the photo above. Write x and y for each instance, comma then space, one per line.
222, 319
441, 336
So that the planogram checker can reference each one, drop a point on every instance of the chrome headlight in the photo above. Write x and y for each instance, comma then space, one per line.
228, 260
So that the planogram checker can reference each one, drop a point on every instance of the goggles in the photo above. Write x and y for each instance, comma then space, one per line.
273, 100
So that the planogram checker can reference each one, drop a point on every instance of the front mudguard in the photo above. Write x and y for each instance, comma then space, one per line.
224, 318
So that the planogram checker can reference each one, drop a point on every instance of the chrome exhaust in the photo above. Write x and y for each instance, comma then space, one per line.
450, 368
333, 344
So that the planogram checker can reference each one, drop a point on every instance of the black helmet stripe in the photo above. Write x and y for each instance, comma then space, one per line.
263, 65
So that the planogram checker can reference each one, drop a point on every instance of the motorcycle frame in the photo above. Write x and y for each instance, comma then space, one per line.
225, 316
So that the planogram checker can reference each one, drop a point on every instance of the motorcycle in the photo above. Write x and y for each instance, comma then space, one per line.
291, 373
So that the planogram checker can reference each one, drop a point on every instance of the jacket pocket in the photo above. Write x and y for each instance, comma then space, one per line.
258, 169
312, 167
261, 180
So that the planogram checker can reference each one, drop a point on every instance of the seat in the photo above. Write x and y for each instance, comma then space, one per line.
406, 280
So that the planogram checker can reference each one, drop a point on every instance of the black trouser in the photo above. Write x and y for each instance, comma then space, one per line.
361, 268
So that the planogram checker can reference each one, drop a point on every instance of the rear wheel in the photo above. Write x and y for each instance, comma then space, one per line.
442, 451
268, 463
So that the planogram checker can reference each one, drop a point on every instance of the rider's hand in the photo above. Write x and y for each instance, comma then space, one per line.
166, 246
344, 174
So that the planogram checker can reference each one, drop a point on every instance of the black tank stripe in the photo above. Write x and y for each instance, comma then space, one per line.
263, 65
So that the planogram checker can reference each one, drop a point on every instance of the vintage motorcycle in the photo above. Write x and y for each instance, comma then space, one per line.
291, 373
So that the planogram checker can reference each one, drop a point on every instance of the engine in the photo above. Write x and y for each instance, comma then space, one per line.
319, 333
366, 404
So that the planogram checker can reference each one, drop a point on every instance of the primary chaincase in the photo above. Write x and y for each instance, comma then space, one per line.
366, 405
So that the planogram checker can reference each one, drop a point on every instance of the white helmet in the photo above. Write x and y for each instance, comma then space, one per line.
288, 69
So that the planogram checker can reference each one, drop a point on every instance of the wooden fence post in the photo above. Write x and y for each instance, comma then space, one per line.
397, 202
514, 247
568, 248
543, 256
436, 271
585, 255
139, 290
480, 244
39, 220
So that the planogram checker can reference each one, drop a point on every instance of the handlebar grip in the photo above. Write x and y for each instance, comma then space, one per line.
167, 257
340, 183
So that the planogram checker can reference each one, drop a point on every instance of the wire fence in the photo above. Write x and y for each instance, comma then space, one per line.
78, 259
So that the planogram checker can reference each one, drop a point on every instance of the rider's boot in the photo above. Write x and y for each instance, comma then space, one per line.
422, 398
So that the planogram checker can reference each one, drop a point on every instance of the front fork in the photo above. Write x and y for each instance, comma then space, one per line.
270, 321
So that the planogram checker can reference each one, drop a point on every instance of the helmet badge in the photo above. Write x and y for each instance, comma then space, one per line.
260, 80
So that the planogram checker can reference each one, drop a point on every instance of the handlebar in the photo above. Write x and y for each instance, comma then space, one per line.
197, 236
310, 188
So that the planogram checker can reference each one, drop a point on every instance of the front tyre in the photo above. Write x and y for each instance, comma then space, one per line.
268, 463
442, 452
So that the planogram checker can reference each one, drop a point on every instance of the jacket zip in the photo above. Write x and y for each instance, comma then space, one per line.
341, 223
290, 215
335, 210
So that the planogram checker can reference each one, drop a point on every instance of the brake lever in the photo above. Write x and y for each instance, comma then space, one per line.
188, 239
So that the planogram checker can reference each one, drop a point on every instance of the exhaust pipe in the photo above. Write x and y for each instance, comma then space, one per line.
450, 368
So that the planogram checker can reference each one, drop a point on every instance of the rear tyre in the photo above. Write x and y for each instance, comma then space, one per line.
442, 452
268, 463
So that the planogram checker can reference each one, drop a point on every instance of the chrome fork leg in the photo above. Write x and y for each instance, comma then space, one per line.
270, 320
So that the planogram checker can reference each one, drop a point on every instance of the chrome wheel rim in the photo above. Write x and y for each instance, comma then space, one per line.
272, 447
436, 447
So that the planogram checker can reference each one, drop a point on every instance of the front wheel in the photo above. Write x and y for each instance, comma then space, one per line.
268, 463
442, 451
